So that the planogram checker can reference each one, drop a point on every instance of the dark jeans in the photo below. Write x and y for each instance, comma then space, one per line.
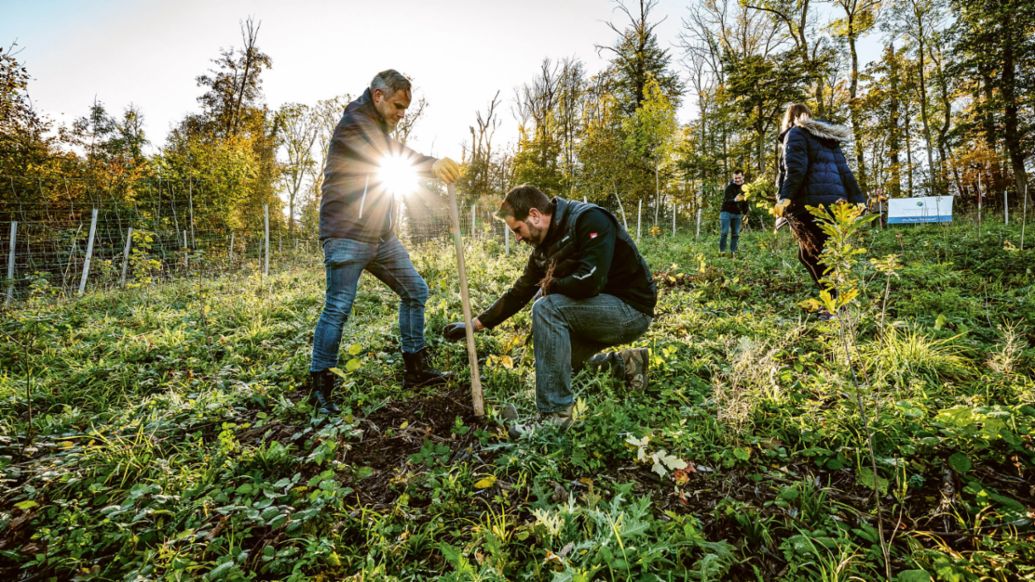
729, 224
567, 331
810, 242
345, 259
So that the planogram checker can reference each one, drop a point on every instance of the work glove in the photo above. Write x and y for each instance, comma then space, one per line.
781, 207
446, 170
455, 332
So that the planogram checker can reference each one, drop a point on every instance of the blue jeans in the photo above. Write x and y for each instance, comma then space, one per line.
345, 259
566, 332
730, 225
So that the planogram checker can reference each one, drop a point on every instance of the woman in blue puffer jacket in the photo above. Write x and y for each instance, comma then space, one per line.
813, 172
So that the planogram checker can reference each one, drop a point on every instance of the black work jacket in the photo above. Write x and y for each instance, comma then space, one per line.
729, 199
354, 203
590, 254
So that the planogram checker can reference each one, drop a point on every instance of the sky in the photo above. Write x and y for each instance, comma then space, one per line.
457, 52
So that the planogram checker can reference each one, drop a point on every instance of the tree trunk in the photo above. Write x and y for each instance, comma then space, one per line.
1009, 93
909, 150
853, 90
894, 145
923, 110
988, 122
657, 193
943, 130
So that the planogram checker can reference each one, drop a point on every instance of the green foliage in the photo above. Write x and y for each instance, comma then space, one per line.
170, 436
537, 161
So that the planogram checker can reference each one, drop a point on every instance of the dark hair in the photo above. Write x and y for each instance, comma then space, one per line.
389, 82
521, 199
738, 172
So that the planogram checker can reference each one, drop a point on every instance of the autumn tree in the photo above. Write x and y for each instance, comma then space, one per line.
228, 150
24, 140
650, 133
996, 53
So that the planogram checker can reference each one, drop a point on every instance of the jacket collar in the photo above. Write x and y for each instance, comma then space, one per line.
365, 106
822, 130
557, 220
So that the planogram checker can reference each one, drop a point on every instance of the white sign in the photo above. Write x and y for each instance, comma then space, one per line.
920, 209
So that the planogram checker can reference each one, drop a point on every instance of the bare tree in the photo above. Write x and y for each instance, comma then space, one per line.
326, 114
297, 130
414, 113
479, 177
535, 101
570, 100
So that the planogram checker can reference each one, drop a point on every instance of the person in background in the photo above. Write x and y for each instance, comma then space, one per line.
813, 172
358, 234
596, 291
734, 207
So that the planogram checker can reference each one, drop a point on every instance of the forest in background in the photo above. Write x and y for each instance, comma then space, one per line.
946, 109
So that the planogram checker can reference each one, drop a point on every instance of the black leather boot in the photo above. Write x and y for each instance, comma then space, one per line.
321, 391
419, 371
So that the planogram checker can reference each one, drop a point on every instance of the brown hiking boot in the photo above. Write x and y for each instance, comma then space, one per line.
635, 363
629, 365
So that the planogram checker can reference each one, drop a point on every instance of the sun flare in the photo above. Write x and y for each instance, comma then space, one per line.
398, 176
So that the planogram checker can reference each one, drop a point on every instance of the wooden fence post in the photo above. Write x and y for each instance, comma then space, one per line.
697, 231
1006, 206
979, 201
639, 220
673, 218
10, 263
190, 202
125, 256
266, 237
625, 221
1024, 214
89, 252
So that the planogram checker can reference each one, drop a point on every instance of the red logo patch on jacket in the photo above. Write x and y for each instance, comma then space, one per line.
592, 235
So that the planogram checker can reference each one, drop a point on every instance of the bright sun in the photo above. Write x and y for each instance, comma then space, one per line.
398, 176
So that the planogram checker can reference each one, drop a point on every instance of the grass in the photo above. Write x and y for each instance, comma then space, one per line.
163, 431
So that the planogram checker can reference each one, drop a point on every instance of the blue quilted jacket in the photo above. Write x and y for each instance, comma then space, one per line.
814, 170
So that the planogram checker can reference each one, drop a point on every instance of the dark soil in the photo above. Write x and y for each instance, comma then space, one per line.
392, 434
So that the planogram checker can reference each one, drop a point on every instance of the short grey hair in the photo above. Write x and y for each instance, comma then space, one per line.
389, 81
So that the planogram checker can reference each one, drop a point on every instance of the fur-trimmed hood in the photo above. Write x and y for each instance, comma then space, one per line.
824, 130
814, 169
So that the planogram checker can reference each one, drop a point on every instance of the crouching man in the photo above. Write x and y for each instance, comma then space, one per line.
596, 291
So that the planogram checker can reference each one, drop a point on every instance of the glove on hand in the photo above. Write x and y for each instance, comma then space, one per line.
455, 332
446, 170
781, 207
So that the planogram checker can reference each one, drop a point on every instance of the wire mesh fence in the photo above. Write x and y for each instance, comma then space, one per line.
167, 230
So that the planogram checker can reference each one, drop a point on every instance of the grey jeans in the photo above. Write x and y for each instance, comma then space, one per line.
567, 332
